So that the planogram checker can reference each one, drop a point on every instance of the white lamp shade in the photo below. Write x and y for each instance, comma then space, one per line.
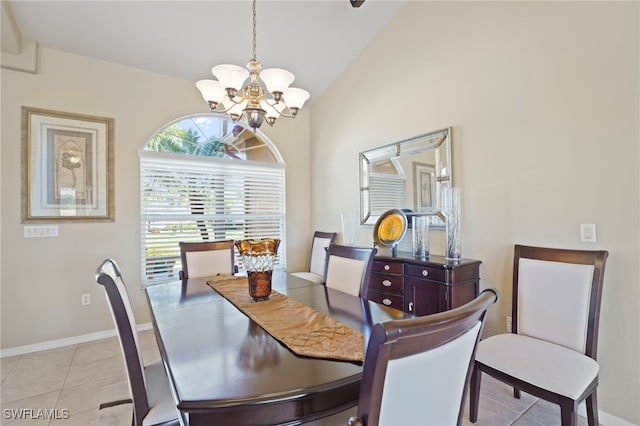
230, 76
295, 97
276, 79
211, 90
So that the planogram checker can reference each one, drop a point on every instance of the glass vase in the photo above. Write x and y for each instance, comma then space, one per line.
420, 228
348, 228
258, 257
451, 211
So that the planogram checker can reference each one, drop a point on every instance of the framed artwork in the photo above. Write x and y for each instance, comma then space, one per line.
67, 167
424, 187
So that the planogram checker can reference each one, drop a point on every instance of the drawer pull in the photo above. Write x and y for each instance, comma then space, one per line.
425, 272
387, 267
386, 301
386, 283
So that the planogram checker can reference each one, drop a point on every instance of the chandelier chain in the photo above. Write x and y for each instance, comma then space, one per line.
254, 30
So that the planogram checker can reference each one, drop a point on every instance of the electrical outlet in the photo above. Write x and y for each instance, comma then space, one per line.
86, 299
508, 323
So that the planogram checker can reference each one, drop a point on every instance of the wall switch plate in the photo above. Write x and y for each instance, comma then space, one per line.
40, 231
508, 323
588, 232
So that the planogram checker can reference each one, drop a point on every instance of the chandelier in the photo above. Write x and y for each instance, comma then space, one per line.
230, 95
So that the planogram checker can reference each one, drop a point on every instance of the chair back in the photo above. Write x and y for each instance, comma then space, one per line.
318, 258
348, 268
557, 294
207, 258
108, 275
416, 370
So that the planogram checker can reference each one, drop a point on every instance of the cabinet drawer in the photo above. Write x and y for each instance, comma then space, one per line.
425, 272
386, 283
393, 300
387, 267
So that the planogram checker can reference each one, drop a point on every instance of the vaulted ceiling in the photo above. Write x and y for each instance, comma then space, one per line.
316, 40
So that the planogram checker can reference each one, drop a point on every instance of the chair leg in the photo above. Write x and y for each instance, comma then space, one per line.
568, 414
516, 393
592, 409
115, 403
474, 392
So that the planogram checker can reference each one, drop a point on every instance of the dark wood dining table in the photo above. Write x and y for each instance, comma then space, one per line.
226, 370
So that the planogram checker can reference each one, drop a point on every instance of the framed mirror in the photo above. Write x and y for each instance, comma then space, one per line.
407, 175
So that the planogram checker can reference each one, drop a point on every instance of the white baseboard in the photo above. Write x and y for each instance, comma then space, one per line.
52, 344
606, 419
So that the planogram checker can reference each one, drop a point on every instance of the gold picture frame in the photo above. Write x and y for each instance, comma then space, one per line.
67, 167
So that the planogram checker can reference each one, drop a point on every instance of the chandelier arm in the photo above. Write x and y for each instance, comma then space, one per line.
282, 113
220, 107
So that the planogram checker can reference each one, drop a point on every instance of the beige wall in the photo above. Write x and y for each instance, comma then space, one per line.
543, 101
43, 279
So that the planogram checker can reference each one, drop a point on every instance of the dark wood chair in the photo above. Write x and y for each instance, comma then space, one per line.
206, 258
416, 370
551, 351
153, 402
348, 268
318, 257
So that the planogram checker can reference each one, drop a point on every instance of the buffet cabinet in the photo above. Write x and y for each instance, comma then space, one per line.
423, 286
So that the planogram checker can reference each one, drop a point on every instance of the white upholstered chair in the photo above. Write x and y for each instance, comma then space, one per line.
153, 402
318, 257
416, 370
551, 351
348, 269
206, 258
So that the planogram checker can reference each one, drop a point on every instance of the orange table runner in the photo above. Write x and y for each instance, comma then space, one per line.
301, 328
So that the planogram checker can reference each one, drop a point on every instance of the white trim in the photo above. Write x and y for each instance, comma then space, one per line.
58, 343
604, 418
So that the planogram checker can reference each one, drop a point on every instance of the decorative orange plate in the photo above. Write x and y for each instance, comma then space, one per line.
390, 228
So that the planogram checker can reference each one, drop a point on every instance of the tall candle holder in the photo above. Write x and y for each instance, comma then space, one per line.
451, 210
420, 232
348, 220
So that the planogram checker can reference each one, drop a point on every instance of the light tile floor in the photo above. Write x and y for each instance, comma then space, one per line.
72, 381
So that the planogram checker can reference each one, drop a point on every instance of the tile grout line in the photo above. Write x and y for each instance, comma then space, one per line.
64, 380
11, 369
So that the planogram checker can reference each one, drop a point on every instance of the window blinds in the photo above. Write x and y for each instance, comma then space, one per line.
387, 192
194, 198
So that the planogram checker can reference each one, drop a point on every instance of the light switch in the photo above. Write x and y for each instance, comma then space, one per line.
40, 231
588, 232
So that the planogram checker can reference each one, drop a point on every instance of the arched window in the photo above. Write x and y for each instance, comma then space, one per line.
207, 178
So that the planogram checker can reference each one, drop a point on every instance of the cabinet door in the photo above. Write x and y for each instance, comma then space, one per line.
463, 293
424, 297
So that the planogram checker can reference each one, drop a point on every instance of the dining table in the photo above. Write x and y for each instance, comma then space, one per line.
225, 369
